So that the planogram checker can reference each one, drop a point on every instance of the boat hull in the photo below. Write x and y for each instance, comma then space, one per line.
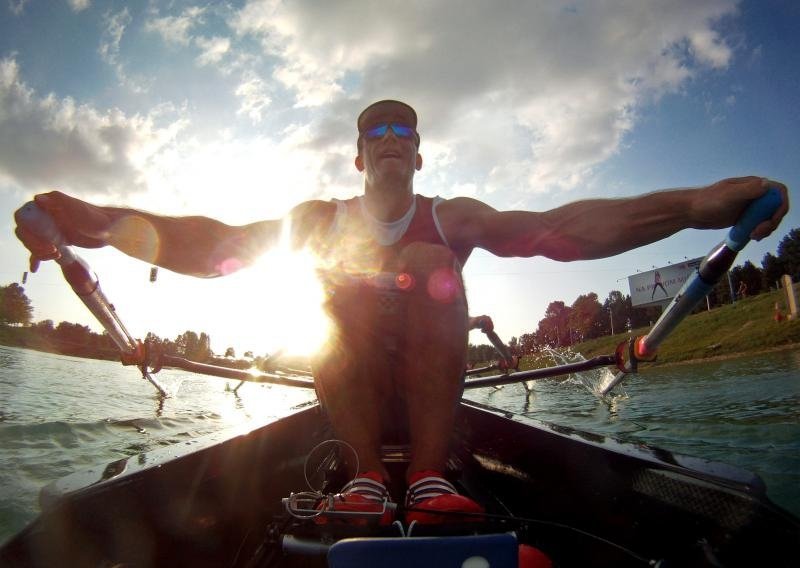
581, 498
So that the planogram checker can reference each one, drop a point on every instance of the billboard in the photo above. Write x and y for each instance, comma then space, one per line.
656, 287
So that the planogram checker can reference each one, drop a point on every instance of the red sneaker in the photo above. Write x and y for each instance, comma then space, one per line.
530, 557
428, 492
365, 494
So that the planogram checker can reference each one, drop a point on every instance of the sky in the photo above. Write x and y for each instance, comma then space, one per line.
241, 110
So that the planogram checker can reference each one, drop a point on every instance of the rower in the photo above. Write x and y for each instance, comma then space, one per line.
391, 229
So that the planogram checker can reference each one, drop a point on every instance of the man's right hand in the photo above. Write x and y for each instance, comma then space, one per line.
80, 224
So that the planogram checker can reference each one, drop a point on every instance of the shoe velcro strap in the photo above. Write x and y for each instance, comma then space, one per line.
427, 488
366, 487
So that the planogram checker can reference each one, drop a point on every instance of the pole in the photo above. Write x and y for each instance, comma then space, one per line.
791, 298
730, 287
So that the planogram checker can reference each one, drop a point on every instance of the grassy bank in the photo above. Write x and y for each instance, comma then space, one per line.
748, 326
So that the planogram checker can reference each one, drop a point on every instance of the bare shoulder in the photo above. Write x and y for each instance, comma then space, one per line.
462, 209
311, 220
464, 219
315, 209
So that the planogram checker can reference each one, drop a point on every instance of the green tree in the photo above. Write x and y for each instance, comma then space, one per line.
772, 270
477, 354
44, 328
553, 330
192, 346
617, 308
15, 307
751, 275
527, 343
73, 334
164, 346
789, 253
584, 318
229, 352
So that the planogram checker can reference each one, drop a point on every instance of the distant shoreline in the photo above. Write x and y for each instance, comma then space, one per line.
747, 327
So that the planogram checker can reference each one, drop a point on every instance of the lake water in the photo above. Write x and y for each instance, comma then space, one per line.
62, 414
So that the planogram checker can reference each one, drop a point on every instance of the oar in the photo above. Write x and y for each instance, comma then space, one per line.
229, 373
711, 269
536, 374
486, 325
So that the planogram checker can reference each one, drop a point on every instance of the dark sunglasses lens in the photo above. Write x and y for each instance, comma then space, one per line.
376, 132
402, 131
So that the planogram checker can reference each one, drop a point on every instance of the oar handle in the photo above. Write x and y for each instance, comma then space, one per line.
711, 269
38, 222
502, 349
757, 212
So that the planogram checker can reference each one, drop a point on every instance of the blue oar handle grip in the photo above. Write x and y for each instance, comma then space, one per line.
757, 212
37, 221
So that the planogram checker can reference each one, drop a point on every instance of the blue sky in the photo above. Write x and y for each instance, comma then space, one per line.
241, 110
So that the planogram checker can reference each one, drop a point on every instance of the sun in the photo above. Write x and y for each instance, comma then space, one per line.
287, 308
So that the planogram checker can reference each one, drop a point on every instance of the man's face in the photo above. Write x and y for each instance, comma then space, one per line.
387, 156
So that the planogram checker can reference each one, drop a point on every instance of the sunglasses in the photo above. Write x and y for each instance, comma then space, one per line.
379, 131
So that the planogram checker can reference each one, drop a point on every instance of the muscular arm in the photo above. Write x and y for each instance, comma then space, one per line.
197, 246
599, 228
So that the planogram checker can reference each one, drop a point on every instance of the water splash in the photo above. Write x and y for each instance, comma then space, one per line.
593, 380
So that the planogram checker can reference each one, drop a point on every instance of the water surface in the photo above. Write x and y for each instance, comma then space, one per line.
62, 414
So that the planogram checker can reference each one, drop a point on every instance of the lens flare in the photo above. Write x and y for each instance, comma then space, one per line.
287, 300
404, 281
444, 285
136, 236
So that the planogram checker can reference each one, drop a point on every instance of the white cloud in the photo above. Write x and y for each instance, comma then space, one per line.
109, 50
176, 29
213, 49
115, 25
46, 142
17, 6
79, 5
521, 96
561, 86
255, 98
709, 48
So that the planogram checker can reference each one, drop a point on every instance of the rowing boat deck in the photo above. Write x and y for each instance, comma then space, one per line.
585, 500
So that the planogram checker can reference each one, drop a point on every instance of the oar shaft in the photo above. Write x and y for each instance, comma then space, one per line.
501, 347
536, 374
711, 270
229, 373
